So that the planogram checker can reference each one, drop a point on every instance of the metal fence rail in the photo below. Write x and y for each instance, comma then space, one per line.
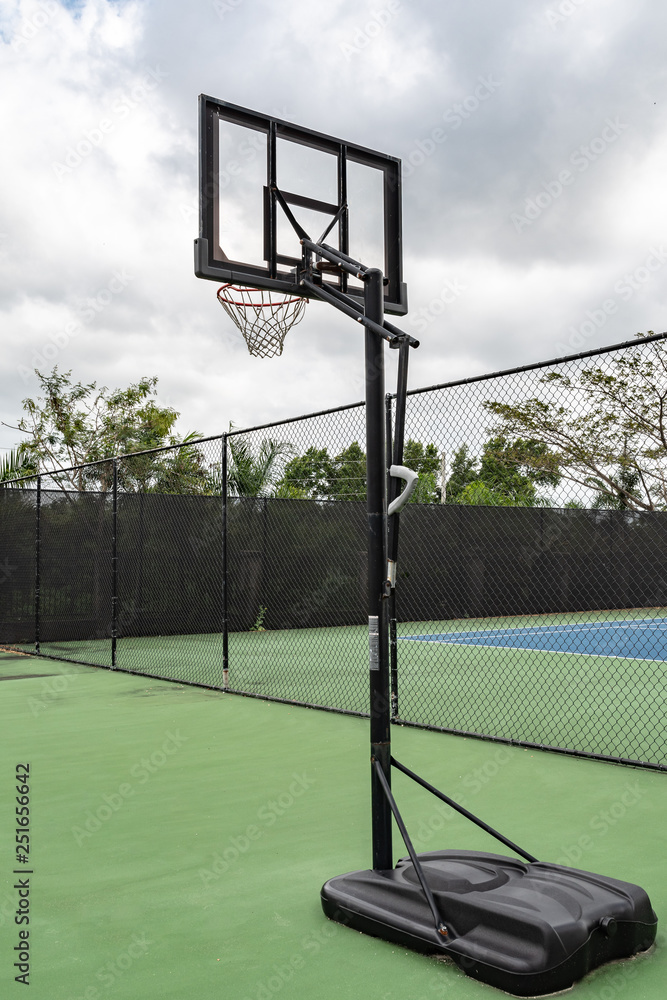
531, 591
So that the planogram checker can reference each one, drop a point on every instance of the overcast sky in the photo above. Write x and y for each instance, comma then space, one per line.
534, 142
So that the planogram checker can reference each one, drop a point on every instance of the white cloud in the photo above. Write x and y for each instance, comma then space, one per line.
99, 184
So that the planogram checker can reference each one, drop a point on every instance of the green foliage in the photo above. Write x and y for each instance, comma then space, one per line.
607, 429
253, 475
507, 475
316, 475
480, 494
464, 472
425, 461
258, 625
306, 475
18, 462
179, 471
348, 475
74, 423
620, 493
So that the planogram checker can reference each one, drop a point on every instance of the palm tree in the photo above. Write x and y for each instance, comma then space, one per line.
250, 475
17, 462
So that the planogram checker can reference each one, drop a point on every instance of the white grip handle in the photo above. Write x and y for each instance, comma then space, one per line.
411, 478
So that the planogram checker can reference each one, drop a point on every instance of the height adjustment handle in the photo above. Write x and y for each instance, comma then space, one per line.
411, 478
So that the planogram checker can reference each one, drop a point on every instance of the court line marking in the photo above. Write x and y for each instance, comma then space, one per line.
538, 649
458, 638
658, 624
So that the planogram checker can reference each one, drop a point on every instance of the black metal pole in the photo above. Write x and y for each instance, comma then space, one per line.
419, 871
395, 452
337, 299
393, 643
38, 506
388, 436
114, 564
460, 809
377, 571
225, 625
139, 610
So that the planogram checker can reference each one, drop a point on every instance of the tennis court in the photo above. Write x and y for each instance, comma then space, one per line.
627, 638
181, 837
592, 682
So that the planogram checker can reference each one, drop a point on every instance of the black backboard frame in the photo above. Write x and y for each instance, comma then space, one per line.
210, 259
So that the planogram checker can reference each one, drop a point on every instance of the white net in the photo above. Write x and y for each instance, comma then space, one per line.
263, 317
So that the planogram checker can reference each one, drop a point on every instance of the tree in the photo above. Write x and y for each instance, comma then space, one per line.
480, 494
606, 432
73, 424
623, 489
316, 475
464, 472
306, 476
254, 475
425, 461
508, 474
515, 468
348, 474
181, 470
18, 462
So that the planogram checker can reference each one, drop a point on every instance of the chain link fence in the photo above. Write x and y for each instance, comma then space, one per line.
531, 591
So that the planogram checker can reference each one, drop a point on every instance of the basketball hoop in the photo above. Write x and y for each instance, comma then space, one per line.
263, 317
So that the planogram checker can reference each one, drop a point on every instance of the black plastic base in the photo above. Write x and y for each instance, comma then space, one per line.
528, 929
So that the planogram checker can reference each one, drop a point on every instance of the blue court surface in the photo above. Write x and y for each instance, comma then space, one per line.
638, 639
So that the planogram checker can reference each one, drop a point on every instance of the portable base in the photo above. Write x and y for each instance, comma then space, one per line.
527, 928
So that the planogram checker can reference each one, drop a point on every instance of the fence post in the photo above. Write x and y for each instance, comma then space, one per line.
225, 627
38, 532
114, 565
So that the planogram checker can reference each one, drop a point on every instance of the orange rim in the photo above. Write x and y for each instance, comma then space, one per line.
254, 305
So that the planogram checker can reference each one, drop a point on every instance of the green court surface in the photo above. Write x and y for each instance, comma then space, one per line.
601, 704
180, 837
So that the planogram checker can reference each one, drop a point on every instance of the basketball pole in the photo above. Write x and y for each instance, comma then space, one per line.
380, 703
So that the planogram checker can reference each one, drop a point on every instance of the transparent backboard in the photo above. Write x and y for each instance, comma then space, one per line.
264, 182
